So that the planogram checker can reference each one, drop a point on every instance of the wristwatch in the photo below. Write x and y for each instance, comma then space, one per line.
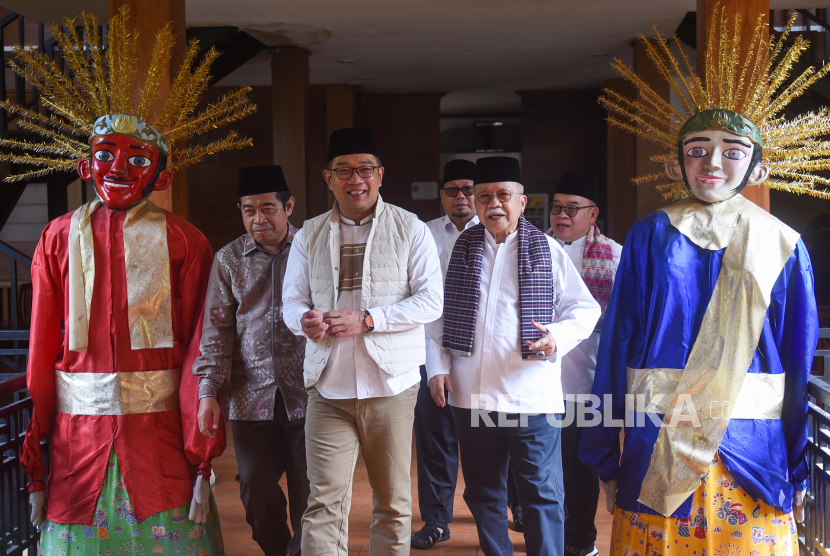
368, 321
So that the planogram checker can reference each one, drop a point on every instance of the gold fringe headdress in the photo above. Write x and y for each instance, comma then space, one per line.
98, 99
740, 96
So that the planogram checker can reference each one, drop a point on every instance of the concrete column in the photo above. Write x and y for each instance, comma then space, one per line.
289, 90
149, 21
749, 10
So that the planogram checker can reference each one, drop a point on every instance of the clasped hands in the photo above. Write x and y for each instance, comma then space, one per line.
337, 324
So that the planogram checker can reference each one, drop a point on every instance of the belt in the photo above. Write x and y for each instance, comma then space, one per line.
118, 393
761, 395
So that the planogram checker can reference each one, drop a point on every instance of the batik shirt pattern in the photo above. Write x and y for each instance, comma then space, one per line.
244, 338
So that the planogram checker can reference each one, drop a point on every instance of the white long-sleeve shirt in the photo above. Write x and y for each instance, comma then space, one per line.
495, 377
350, 372
579, 366
443, 230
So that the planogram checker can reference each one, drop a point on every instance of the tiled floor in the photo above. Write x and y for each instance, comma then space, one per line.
464, 540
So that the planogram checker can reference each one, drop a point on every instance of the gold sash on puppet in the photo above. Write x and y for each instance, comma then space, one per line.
118, 393
757, 246
147, 270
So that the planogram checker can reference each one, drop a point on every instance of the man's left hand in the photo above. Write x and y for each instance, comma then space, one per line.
546, 343
208, 416
345, 323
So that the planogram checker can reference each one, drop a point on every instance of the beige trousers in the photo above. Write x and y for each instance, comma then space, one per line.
335, 430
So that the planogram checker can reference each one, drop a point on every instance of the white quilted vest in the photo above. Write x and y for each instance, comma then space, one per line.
385, 281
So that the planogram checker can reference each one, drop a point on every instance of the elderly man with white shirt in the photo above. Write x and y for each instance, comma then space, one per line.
360, 283
573, 216
514, 305
435, 443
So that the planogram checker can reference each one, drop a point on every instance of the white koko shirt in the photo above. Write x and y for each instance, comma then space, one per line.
443, 230
350, 372
495, 377
579, 366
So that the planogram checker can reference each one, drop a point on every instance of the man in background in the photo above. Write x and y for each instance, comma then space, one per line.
573, 216
435, 441
246, 344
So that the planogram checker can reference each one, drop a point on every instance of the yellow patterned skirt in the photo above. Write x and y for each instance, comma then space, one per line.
725, 521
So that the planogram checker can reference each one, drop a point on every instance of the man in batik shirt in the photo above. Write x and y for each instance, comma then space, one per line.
246, 344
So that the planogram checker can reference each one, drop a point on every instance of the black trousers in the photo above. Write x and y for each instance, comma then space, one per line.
581, 485
265, 450
436, 447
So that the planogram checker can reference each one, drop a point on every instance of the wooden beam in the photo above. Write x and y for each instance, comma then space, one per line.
749, 10
148, 21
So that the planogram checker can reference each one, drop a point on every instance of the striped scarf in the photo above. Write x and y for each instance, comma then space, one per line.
597, 266
461, 289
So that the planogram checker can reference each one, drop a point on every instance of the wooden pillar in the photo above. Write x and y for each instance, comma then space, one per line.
749, 10
339, 114
621, 149
648, 198
148, 21
289, 90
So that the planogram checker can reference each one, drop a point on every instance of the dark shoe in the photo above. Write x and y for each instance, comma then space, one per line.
518, 523
431, 533
589, 550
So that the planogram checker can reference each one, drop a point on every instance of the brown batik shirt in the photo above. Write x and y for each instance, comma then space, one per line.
244, 339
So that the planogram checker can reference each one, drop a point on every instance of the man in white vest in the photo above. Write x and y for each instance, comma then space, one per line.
361, 282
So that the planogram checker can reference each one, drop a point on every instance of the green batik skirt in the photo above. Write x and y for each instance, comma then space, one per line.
117, 531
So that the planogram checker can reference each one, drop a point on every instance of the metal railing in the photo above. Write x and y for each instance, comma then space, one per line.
17, 534
813, 533
14, 341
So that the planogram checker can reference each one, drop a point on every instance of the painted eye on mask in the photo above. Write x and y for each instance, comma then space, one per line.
104, 156
139, 161
697, 152
734, 154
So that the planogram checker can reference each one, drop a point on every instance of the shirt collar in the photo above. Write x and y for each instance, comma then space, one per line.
449, 225
575, 243
252, 245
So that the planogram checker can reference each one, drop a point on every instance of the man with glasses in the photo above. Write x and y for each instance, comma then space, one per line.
362, 281
514, 306
573, 218
435, 442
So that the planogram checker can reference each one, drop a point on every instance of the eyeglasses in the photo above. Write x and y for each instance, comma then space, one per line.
364, 172
503, 196
570, 210
452, 191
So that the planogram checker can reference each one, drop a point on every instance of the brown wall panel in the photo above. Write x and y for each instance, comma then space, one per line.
212, 200
562, 130
317, 200
408, 129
